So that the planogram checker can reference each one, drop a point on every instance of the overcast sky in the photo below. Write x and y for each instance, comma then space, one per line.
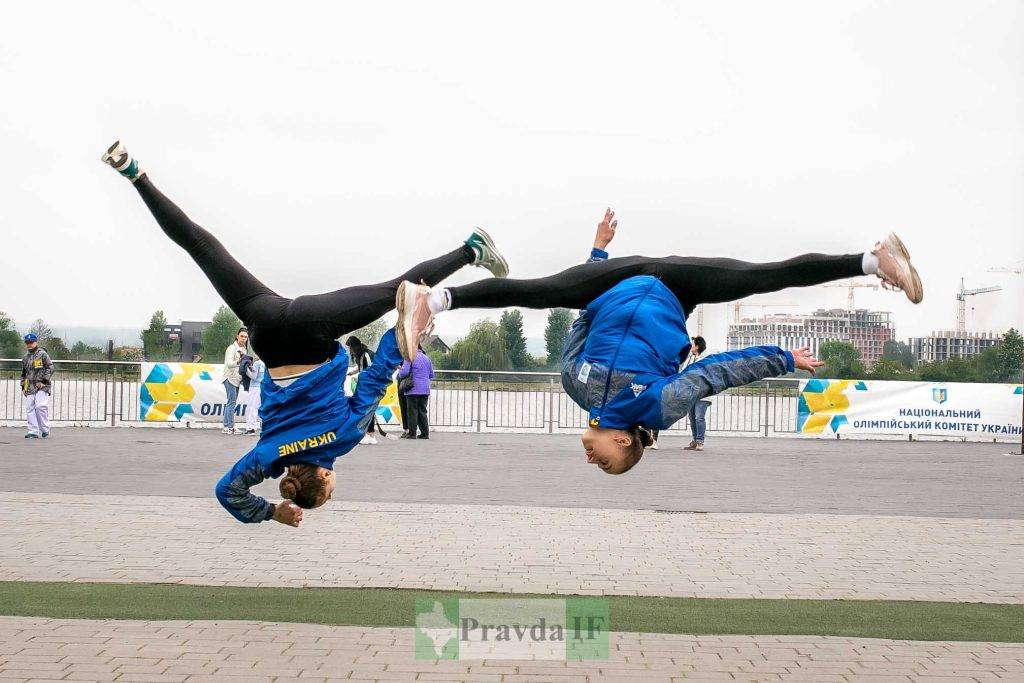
330, 144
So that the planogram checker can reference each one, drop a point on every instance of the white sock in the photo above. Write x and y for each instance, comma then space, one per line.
869, 264
439, 299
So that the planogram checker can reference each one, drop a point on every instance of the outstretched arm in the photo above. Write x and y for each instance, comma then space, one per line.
605, 234
233, 493
721, 371
374, 380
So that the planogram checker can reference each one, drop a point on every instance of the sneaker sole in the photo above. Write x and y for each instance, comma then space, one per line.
489, 243
400, 331
108, 156
901, 251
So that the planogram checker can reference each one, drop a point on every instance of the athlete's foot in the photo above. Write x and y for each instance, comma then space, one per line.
895, 269
415, 321
118, 158
487, 255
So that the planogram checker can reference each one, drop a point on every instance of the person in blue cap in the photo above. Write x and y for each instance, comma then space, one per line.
36, 371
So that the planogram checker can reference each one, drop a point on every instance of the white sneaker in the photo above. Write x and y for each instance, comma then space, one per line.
365, 441
227, 430
373, 440
415, 321
239, 430
895, 270
118, 158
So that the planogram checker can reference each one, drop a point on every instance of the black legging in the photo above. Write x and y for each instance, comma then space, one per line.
285, 331
693, 280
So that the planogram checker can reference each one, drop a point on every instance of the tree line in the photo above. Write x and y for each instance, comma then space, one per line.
999, 363
502, 346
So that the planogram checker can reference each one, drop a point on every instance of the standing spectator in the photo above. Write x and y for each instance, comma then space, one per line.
233, 378
255, 374
36, 370
403, 408
418, 395
696, 349
362, 357
698, 425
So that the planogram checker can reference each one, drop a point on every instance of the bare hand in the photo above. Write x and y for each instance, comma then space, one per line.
287, 512
40, 386
803, 359
606, 230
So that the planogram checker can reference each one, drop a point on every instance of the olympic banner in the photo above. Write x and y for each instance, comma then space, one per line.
184, 392
827, 407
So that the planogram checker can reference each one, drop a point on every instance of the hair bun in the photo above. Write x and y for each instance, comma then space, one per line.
646, 437
290, 487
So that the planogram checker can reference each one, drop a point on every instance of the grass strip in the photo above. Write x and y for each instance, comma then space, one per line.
893, 619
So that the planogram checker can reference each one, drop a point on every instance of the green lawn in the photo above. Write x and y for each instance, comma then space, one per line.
394, 607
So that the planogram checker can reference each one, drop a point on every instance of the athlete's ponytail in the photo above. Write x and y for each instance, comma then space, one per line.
641, 439
304, 486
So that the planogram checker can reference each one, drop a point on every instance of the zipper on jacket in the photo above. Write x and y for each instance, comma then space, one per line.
615, 358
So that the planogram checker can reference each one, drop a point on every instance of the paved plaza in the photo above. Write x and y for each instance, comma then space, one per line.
756, 475
195, 652
748, 518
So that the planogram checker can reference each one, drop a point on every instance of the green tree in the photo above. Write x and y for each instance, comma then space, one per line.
220, 334
842, 361
891, 370
83, 351
559, 320
369, 334
988, 366
133, 353
155, 345
952, 370
481, 349
1011, 355
41, 330
510, 327
441, 361
56, 347
898, 352
11, 345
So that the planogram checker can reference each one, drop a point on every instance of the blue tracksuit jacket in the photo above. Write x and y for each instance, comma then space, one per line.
621, 359
309, 421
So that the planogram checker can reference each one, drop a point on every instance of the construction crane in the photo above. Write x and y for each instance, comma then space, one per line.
961, 304
1018, 270
739, 304
851, 286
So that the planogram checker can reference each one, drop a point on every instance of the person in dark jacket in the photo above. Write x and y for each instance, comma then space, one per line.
361, 357
36, 371
622, 356
418, 395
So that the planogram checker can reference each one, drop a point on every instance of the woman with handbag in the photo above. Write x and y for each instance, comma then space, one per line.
415, 378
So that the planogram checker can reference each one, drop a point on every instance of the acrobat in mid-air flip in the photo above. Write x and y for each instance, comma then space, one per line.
621, 359
308, 421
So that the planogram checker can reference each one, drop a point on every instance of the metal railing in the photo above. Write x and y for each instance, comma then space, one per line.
106, 393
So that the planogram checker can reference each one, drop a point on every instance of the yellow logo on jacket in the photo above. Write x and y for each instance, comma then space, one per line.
306, 444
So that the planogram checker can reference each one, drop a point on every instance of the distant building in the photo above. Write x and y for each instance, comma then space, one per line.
866, 330
186, 338
946, 344
434, 343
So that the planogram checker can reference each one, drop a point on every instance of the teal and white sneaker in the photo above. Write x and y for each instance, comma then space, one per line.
118, 158
487, 255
